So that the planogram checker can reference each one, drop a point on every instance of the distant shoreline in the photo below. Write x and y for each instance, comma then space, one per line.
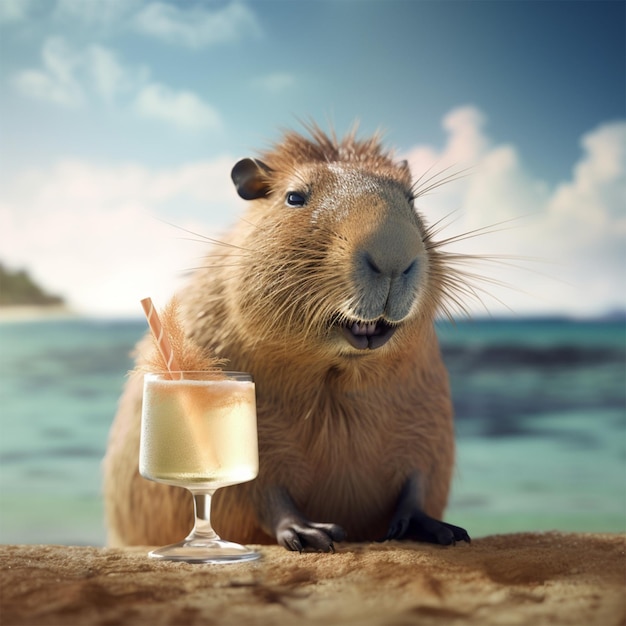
34, 312
27, 313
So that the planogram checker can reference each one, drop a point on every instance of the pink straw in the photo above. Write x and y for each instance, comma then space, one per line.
162, 340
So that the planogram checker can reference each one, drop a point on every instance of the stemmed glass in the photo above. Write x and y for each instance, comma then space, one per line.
200, 433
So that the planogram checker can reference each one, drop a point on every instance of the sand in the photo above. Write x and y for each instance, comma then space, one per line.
534, 578
35, 313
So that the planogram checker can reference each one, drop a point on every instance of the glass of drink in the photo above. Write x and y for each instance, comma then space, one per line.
200, 433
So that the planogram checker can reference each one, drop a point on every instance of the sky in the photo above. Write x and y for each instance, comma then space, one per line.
121, 119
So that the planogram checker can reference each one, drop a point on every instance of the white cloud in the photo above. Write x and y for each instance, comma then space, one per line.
181, 108
108, 76
596, 196
93, 233
196, 26
590, 210
70, 76
466, 137
57, 81
14, 10
575, 233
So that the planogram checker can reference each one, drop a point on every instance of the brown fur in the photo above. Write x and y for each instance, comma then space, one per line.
340, 429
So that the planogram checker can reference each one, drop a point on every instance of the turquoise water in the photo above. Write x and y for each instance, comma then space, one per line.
541, 422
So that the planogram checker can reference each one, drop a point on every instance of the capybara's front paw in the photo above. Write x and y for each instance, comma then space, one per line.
419, 526
300, 536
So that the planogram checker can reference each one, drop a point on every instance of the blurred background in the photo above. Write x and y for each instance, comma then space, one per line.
120, 121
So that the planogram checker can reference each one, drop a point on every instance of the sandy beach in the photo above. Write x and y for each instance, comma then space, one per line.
31, 313
527, 578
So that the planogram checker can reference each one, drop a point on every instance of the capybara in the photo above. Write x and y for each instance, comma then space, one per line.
326, 291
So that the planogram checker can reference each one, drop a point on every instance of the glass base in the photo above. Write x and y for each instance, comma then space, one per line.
205, 551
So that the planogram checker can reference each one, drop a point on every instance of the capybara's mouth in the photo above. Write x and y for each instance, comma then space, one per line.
367, 335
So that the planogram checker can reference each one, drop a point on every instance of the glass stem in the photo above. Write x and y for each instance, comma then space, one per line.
202, 528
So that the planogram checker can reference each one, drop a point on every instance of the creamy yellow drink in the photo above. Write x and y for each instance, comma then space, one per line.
199, 434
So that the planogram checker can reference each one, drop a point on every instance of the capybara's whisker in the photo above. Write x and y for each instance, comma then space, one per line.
199, 237
432, 183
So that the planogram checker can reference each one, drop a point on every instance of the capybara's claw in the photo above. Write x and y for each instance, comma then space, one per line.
310, 536
289, 539
396, 529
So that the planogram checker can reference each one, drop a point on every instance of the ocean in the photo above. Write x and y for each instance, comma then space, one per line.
540, 418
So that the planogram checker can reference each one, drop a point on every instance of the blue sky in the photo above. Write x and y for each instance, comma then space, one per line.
115, 114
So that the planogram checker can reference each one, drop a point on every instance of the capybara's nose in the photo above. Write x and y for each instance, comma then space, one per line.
387, 271
386, 267
392, 251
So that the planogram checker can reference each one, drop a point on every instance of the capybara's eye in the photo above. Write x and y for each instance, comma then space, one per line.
295, 199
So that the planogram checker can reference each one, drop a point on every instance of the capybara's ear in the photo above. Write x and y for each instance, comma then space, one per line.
404, 165
251, 178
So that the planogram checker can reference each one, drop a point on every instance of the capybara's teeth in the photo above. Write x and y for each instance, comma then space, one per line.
364, 328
